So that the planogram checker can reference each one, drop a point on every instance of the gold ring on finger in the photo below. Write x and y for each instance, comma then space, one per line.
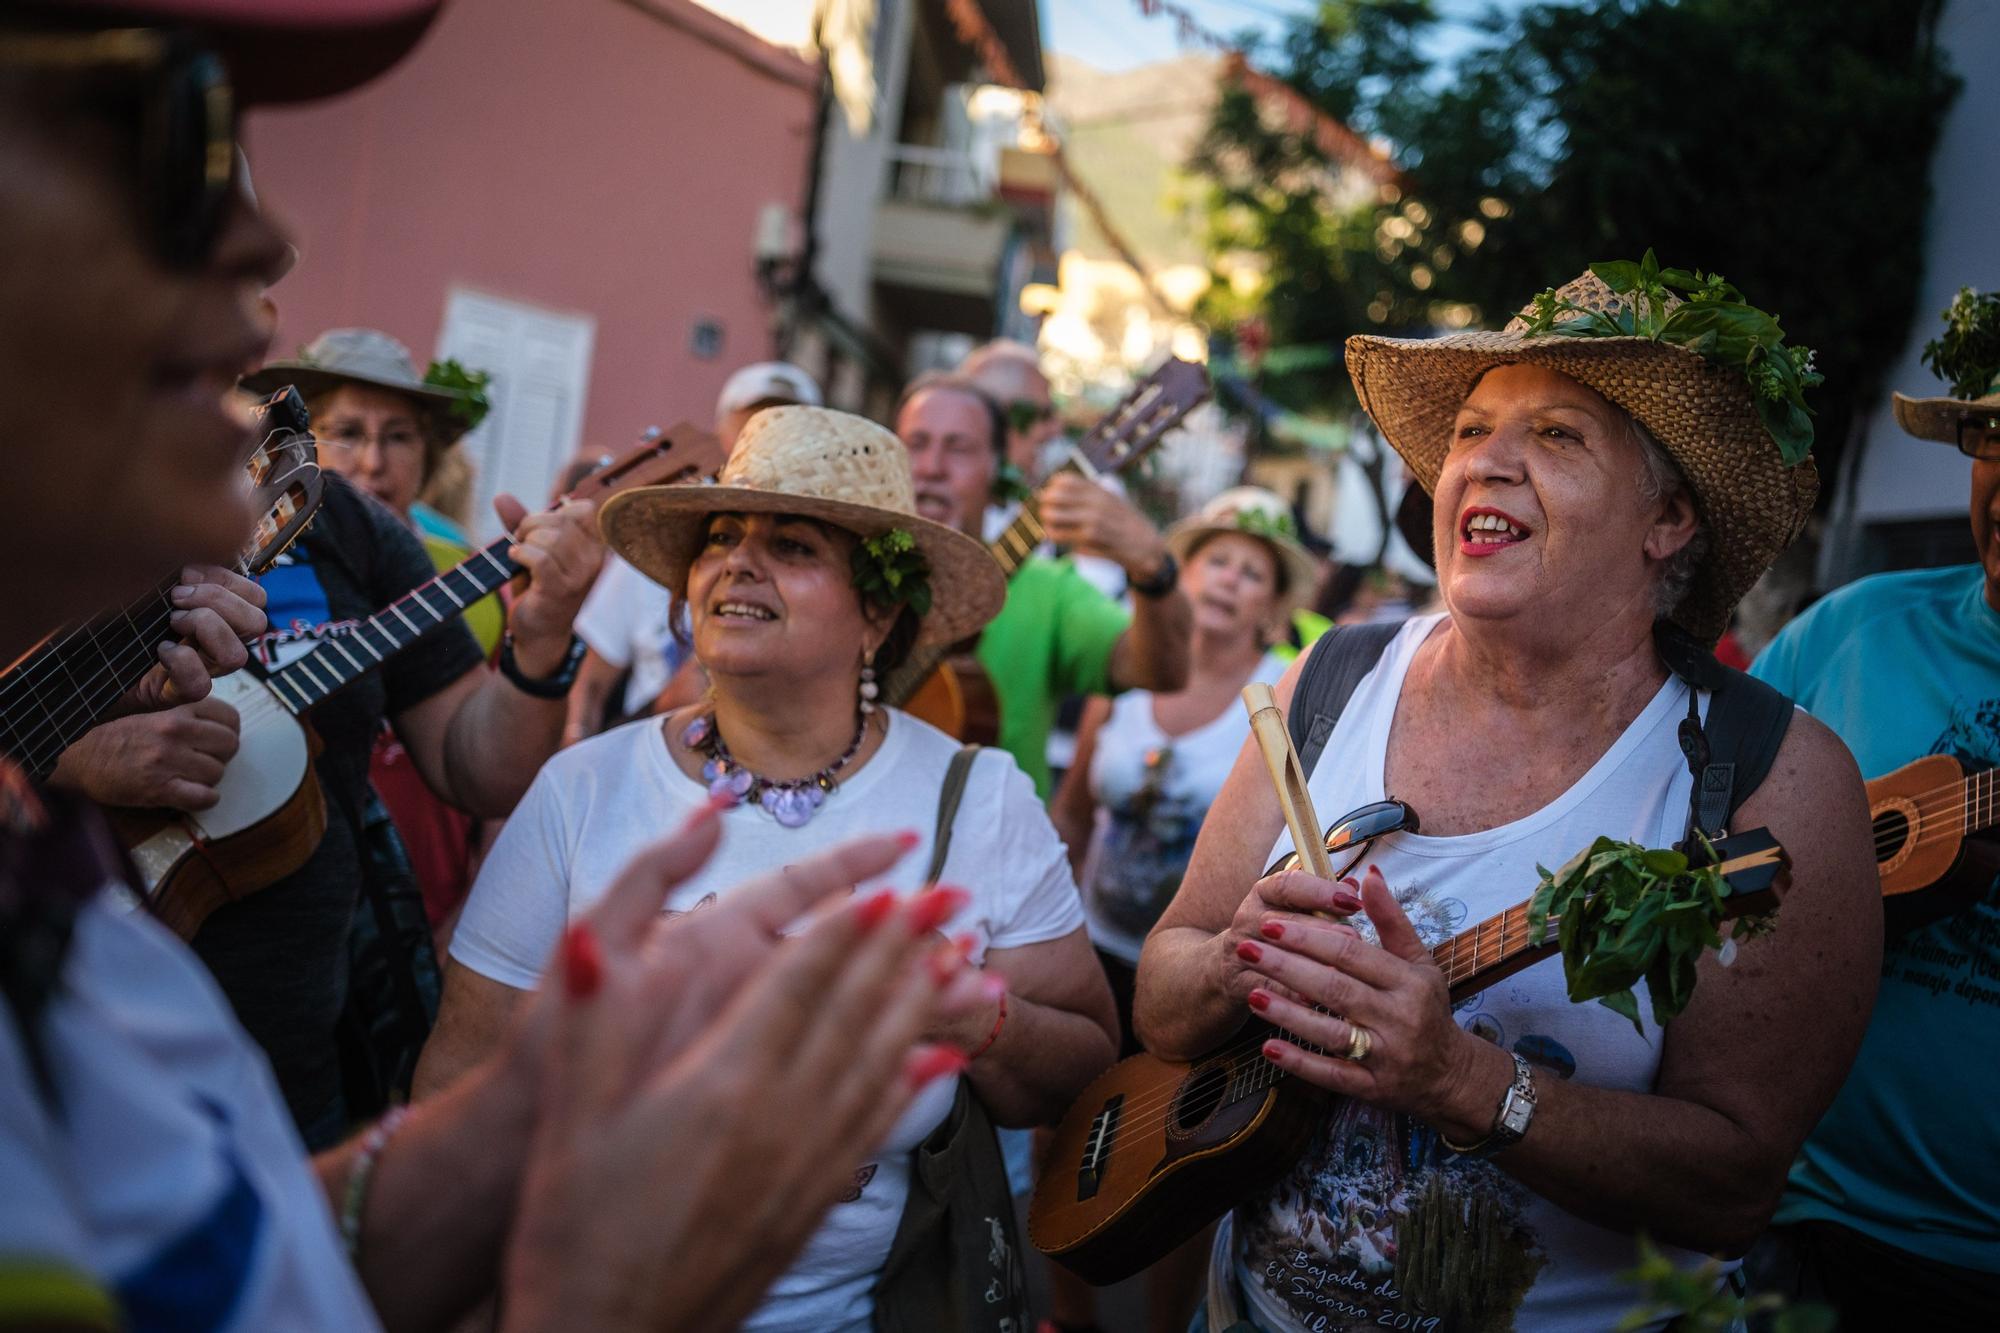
1359, 1042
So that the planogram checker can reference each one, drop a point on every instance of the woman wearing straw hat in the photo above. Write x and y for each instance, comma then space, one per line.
1148, 766
1894, 1201
807, 574
1594, 472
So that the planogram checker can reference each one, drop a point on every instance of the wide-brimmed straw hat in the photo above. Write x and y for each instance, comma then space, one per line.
1252, 511
371, 358
1971, 316
817, 463
1703, 413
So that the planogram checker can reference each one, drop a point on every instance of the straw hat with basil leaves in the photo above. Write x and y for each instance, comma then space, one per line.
1706, 373
451, 399
1968, 359
818, 463
1252, 511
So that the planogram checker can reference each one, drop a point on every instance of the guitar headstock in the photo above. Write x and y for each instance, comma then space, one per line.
285, 482
682, 453
1755, 868
1154, 407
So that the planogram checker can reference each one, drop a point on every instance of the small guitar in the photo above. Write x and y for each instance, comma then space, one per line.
948, 688
270, 813
1153, 1151
1927, 816
64, 686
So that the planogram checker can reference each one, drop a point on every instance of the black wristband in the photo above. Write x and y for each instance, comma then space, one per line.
1164, 580
552, 686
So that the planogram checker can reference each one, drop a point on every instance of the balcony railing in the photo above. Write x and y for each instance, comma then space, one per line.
940, 177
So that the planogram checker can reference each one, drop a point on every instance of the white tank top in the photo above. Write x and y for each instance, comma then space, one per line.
1356, 1236
1152, 791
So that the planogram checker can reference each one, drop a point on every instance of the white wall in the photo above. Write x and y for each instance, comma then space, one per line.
1901, 477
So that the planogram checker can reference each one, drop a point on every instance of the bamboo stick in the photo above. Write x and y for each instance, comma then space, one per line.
1267, 724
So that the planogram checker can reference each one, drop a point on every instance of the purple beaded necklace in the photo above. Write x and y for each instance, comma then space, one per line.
790, 803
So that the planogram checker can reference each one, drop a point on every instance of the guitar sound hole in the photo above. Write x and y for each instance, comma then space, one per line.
1200, 1097
1892, 830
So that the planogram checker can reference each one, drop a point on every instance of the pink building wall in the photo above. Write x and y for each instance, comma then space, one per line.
600, 157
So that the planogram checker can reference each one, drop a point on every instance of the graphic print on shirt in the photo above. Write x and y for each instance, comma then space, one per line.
1148, 842
296, 606
1955, 957
1379, 1225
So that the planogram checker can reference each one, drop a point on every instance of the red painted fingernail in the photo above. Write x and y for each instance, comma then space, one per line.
1260, 1000
1250, 951
717, 802
875, 909
933, 909
908, 839
1272, 930
1274, 1051
1347, 902
583, 962
944, 964
929, 1063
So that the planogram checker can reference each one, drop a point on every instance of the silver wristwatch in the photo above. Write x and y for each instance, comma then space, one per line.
1510, 1122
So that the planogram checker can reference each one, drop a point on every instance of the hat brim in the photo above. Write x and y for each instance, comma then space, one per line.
657, 529
1702, 413
1300, 569
1938, 418
311, 381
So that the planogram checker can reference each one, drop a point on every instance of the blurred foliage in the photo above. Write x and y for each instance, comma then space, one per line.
1700, 1301
1786, 144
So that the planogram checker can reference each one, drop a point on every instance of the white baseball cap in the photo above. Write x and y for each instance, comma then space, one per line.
767, 379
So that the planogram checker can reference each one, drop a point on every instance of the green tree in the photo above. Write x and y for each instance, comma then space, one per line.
1785, 145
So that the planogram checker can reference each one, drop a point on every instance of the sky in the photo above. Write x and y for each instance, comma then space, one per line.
1115, 35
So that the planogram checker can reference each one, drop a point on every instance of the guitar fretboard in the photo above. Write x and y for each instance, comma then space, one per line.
1982, 800
340, 661
1013, 547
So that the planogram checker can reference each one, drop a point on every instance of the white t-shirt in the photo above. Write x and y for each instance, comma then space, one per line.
628, 620
1152, 791
1319, 1250
597, 803
172, 1174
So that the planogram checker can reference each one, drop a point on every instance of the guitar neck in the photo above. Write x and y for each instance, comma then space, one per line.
1013, 547
340, 661
1493, 950
61, 689
1982, 800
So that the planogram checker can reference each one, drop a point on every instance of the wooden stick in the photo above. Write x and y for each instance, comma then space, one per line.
1267, 724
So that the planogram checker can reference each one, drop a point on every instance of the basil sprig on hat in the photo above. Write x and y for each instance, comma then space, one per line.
473, 403
1626, 914
890, 571
1968, 356
1276, 525
1711, 320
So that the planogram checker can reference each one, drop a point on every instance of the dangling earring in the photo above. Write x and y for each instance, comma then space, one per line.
869, 689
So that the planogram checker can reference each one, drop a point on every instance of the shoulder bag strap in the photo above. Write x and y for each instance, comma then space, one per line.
1335, 665
948, 798
1730, 755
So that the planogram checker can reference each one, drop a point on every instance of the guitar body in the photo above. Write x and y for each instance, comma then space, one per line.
1931, 863
958, 699
1154, 1151
266, 822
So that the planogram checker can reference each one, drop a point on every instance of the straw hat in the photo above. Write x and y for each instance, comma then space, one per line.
822, 464
1252, 511
367, 357
1702, 413
1962, 360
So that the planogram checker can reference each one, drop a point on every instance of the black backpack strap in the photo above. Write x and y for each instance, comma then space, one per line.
1335, 664
1731, 755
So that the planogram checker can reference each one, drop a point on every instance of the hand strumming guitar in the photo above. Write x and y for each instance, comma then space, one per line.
170, 758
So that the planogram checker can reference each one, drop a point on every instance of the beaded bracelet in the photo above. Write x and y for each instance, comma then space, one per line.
994, 1035
358, 1176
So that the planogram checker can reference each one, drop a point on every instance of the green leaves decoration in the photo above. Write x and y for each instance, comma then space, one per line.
473, 402
1699, 1300
1270, 524
1625, 914
1713, 321
1010, 484
890, 571
1968, 356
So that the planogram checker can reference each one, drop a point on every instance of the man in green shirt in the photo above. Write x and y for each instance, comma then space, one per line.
1057, 635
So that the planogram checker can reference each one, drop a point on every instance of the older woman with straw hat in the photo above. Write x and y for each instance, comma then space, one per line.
1610, 473
807, 574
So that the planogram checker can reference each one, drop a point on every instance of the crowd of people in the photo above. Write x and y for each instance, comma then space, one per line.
655, 968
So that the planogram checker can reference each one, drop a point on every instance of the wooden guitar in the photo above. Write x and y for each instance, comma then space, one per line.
1154, 1150
66, 684
1927, 816
948, 688
270, 813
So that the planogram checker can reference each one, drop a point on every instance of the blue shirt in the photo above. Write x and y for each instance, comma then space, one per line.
1901, 666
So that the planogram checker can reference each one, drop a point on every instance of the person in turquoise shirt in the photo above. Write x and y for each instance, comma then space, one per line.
1057, 635
1892, 1211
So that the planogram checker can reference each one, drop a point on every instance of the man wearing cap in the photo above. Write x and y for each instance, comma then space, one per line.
149, 1175
1603, 497
1056, 635
627, 621
1893, 1205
